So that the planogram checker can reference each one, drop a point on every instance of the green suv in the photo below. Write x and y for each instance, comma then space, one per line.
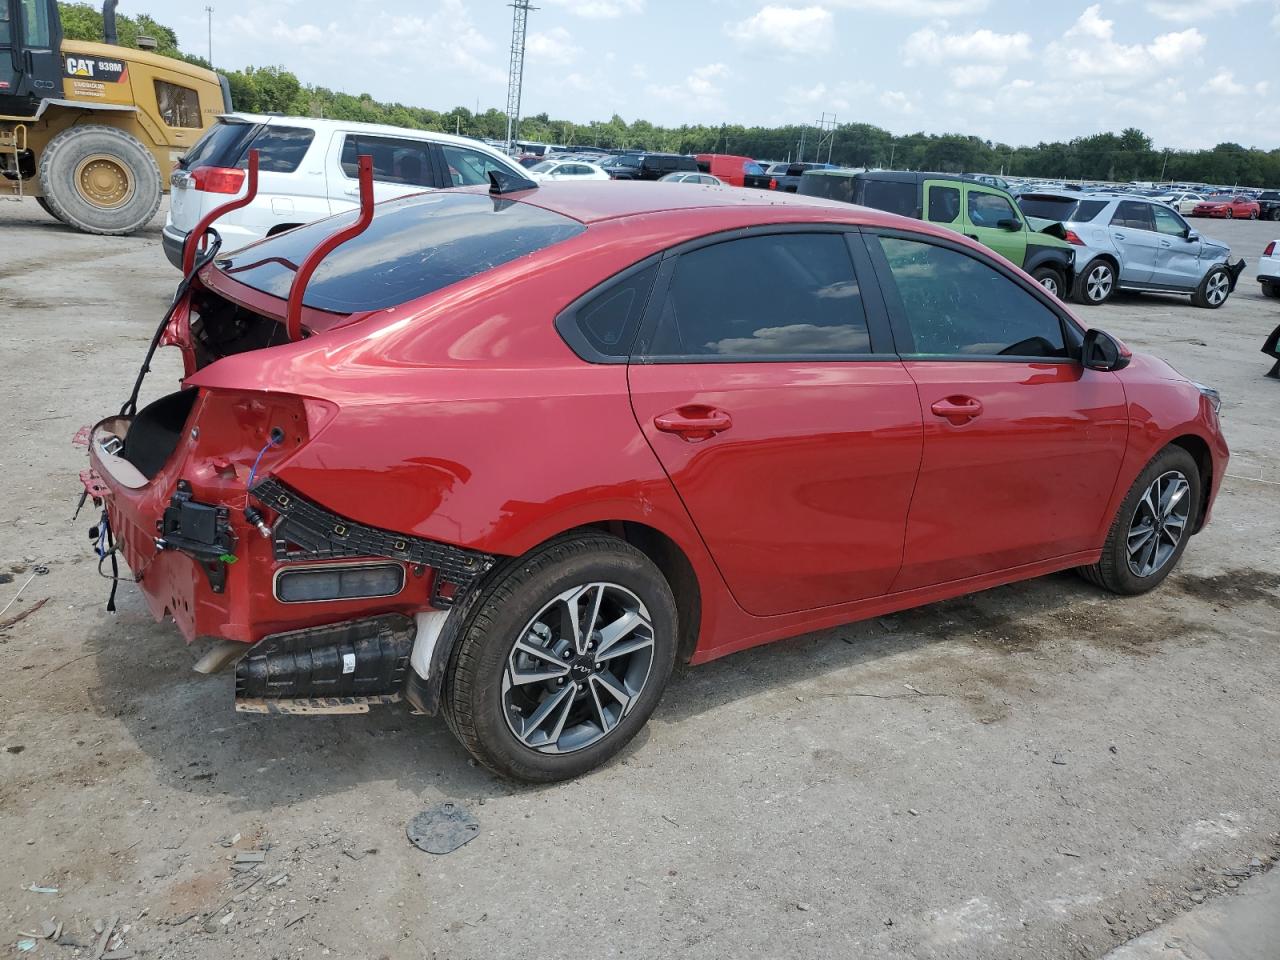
981, 212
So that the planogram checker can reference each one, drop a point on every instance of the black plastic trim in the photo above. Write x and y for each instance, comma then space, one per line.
567, 320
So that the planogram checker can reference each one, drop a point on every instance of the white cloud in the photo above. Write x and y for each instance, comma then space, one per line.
600, 9
897, 101
917, 8
973, 75
928, 45
701, 89
1190, 11
788, 30
1224, 84
1089, 51
554, 46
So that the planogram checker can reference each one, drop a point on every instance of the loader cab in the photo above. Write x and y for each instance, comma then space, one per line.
30, 58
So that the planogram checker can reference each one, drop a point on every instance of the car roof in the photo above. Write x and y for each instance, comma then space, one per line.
597, 201
325, 125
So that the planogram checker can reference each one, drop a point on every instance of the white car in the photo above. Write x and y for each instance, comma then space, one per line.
567, 170
307, 171
1184, 203
681, 176
1269, 269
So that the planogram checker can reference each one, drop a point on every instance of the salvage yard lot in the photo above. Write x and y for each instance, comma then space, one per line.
1042, 770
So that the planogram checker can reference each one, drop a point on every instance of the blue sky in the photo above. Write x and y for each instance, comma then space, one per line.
1191, 73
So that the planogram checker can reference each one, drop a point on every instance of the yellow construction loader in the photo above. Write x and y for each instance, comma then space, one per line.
92, 130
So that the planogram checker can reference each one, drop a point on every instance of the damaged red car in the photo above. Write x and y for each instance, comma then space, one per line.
511, 455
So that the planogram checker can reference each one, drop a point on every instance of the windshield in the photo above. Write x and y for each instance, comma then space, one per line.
414, 246
546, 166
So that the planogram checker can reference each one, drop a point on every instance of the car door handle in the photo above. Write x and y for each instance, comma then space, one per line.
351, 191
693, 422
1118, 236
1165, 243
959, 410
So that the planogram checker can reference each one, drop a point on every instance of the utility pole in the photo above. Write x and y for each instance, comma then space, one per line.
800, 148
826, 135
515, 74
892, 147
209, 15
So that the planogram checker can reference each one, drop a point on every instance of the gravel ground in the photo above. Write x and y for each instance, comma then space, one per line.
1038, 771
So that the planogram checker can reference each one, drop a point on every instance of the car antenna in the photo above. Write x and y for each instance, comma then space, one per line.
502, 181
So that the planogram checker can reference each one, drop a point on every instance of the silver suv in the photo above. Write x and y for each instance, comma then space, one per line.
1132, 243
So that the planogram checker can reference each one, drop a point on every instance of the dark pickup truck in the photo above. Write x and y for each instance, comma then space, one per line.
1269, 205
783, 176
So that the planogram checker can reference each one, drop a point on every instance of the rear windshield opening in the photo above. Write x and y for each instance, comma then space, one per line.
415, 246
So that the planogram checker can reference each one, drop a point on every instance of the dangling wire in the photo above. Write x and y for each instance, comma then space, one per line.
272, 440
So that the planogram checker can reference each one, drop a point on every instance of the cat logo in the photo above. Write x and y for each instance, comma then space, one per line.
91, 68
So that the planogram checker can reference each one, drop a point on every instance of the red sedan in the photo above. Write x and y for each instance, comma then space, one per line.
533, 448
1227, 208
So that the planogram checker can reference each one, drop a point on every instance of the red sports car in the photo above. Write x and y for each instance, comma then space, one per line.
1229, 208
532, 448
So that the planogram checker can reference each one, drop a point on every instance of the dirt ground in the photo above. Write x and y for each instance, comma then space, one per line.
1038, 771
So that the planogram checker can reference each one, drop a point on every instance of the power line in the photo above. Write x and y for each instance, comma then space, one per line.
515, 73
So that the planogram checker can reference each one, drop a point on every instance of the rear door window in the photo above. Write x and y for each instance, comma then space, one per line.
944, 204
783, 296
953, 304
395, 160
894, 196
280, 149
1134, 215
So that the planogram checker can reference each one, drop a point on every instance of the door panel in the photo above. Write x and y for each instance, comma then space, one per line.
802, 500
1026, 479
982, 210
1178, 258
1132, 231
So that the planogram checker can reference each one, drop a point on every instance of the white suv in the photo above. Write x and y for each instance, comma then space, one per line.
307, 171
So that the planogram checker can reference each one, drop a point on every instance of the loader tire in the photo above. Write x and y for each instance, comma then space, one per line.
100, 180
44, 205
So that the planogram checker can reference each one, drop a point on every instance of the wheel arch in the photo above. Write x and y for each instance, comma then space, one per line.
1199, 450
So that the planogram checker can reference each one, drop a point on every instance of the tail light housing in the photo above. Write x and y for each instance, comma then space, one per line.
1271, 249
1074, 238
773, 183
218, 179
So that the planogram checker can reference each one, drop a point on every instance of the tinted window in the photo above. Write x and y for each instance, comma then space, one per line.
394, 160
469, 167
1134, 215
179, 106
944, 204
773, 296
221, 146
610, 321
415, 246
35, 24
895, 196
830, 187
957, 305
1169, 222
1061, 208
280, 149
753, 169
988, 209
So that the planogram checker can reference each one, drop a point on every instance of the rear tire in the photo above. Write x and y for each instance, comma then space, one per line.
1214, 289
1230, 214
1096, 282
1270, 289
1275, 214
1253, 214
100, 180
488, 693
1051, 280
44, 205
1125, 566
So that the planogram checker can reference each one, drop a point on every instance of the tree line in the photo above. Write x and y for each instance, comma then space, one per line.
1128, 155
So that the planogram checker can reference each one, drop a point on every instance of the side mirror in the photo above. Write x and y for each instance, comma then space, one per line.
1192, 235
1012, 224
1101, 351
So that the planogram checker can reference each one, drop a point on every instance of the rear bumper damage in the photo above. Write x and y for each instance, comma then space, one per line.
318, 614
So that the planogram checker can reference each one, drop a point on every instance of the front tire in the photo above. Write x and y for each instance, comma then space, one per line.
563, 656
1152, 527
1213, 290
1051, 280
1253, 214
100, 180
1096, 283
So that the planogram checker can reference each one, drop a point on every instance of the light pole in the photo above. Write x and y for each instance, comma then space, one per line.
209, 15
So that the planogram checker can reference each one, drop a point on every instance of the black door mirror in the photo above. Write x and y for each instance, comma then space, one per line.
1012, 224
1101, 351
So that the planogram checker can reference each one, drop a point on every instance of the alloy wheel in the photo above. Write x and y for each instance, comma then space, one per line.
1050, 283
577, 668
1158, 524
1098, 283
1217, 289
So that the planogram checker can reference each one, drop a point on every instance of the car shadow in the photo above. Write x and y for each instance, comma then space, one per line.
186, 725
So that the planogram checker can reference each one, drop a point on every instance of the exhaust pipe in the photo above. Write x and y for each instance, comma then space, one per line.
109, 34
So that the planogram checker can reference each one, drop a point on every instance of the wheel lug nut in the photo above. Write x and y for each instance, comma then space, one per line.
599, 666
568, 654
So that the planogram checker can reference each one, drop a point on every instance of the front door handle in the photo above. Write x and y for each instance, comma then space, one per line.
693, 422
1118, 236
958, 410
1165, 243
